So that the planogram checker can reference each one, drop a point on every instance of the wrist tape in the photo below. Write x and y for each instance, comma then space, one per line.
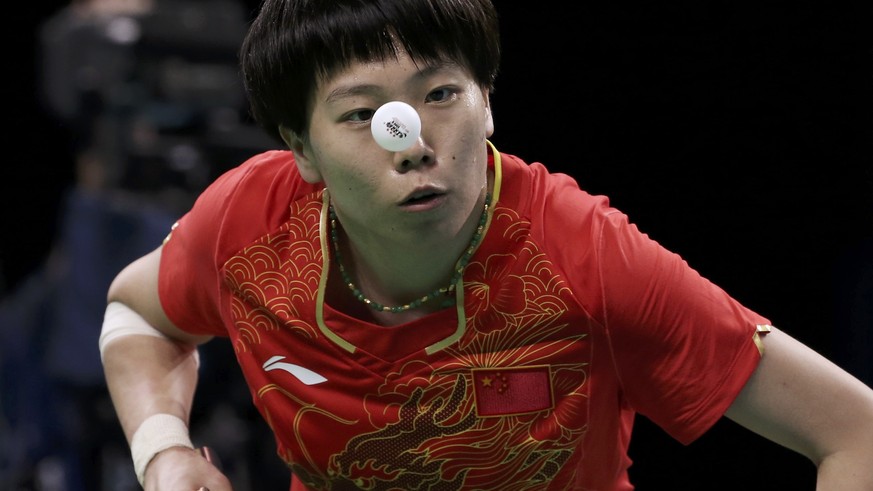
157, 433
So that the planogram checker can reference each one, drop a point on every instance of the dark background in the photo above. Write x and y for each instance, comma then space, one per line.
735, 133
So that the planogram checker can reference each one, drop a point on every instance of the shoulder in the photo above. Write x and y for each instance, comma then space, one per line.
265, 181
273, 169
245, 202
553, 200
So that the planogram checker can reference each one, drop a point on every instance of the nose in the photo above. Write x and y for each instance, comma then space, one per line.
417, 155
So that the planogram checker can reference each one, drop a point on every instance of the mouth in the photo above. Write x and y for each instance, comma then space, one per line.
422, 197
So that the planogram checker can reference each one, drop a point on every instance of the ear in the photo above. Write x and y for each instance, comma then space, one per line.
489, 121
302, 153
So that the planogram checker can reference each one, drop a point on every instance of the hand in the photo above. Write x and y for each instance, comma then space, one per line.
182, 469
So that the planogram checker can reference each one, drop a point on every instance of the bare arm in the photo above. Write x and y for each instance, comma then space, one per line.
148, 375
802, 401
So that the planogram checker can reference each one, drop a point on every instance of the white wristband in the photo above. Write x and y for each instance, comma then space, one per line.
158, 432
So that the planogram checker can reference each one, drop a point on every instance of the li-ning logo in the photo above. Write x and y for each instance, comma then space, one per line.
396, 128
304, 375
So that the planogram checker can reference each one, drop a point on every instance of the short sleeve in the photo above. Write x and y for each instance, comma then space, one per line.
683, 348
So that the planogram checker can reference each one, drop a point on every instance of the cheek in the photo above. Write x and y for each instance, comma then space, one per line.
350, 174
474, 132
480, 124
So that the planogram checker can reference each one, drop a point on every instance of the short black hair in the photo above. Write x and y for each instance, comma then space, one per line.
292, 44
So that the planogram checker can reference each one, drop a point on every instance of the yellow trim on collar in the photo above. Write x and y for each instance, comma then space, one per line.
323, 234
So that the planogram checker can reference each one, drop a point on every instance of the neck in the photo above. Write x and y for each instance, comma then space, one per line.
406, 277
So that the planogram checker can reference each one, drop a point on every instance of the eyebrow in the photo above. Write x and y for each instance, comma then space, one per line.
352, 90
347, 91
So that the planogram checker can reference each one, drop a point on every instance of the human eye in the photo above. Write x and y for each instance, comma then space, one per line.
443, 94
359, 115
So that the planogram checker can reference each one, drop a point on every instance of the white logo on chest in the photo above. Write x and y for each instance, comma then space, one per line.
302, 374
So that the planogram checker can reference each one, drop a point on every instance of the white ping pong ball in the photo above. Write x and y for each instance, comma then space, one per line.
395, 126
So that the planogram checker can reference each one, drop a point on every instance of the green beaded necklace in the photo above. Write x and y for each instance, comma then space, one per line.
446, 290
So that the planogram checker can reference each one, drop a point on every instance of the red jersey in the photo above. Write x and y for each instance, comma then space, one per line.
569, 321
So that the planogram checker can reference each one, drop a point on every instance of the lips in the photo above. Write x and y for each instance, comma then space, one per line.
422, 196
412, 200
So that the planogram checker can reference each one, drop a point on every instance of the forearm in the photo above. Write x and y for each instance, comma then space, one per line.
149, 364
149, 375
152, 379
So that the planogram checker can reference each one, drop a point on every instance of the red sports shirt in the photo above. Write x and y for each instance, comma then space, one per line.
569, 321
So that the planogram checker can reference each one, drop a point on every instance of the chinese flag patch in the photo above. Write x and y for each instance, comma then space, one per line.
515, 390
